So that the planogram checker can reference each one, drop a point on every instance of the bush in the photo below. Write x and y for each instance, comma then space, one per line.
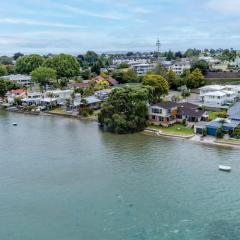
184, 122
204, 132
219, 133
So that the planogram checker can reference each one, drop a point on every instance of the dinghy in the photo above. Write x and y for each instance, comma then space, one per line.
14, 124
224, 168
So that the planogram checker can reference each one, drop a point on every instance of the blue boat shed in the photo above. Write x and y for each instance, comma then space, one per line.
227, 126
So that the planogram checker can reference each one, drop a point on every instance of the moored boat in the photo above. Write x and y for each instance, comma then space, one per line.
224, 168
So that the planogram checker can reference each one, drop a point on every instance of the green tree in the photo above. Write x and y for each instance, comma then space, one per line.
85, 74
160, 70
10, 69
130, 76
123, 65
3, 88
3, 70
125, 111
158, 83
126, 76
90, 58
202, 65
192, 53
171, 78
5, 60
236, 131
65, 65
96, 68
219, 133
17, 55
170, 55
44, 75
28, 63
195, 79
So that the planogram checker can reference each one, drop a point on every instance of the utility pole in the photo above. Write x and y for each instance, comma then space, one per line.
158, 44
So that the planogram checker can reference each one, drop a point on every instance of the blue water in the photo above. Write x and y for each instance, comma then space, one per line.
62, 179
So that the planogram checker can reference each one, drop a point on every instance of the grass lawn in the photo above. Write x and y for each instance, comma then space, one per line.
213, 115
176, 129
59, 111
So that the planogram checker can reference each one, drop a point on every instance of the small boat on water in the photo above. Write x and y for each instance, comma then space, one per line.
14, 124
224, 168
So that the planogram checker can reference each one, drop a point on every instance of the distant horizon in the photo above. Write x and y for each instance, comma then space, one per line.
108, 52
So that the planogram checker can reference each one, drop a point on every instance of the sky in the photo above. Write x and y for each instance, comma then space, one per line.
75, 26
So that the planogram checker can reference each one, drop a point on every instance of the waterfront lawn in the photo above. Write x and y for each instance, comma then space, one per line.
176, 129
60, 111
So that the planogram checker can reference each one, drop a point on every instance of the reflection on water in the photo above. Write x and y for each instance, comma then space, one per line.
65, 179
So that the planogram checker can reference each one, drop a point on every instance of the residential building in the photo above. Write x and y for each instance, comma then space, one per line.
218, 98
179, 66
163, 113
33, 99
18, 93
142, 69
92, 102
217, 95
190, 112
23, 80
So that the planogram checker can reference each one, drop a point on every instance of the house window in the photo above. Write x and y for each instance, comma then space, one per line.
156, 110
153, 117
161, 119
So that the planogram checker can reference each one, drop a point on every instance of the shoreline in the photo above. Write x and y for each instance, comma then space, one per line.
210, 141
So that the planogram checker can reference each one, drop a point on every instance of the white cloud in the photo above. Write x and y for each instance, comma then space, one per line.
21, 21
224, 6
107, 15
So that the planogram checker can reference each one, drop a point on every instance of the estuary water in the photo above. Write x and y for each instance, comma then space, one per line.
64, 179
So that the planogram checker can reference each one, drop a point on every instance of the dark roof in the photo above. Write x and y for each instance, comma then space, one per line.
165, 105
189, 109
223, 75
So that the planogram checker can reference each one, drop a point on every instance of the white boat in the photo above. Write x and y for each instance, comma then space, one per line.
224, 168
14, 124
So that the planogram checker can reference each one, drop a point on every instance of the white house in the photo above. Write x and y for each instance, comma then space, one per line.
143, 68
24, 80
210, 88
33, 99
179, 66
217, 95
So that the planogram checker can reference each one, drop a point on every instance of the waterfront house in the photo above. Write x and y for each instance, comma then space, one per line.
163, 113
33, 99
23, 80
190, 112
18, 93
92, 102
